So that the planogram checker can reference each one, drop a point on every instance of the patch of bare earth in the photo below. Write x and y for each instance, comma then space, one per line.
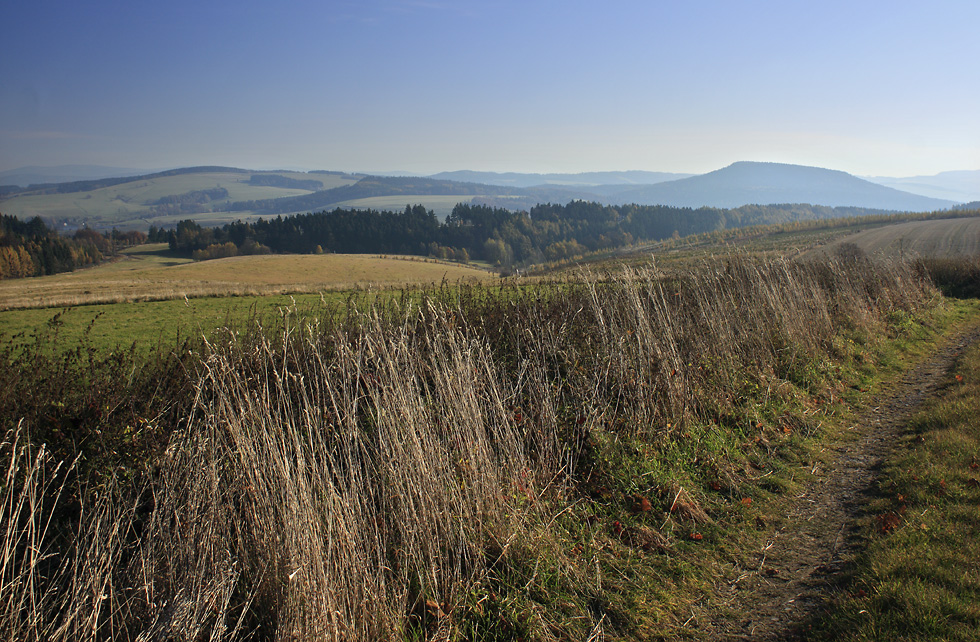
804, 557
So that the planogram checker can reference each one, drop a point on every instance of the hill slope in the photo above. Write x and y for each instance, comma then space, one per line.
957, 185
411, 190
957, 238
162, 198
746, 183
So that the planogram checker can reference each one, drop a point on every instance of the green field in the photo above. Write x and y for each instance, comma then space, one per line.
113, 326
128, 205
151, 295
142, 297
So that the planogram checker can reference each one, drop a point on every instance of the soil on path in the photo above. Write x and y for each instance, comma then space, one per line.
804, 558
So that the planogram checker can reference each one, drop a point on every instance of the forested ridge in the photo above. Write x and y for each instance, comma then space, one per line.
499, 236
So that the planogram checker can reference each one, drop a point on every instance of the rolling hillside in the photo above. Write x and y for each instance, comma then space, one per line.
218, 195
960, 186
934, 239
161, 199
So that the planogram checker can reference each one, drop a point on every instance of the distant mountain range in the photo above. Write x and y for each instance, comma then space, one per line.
214, 195
514, 179
742, 183
961, 186
746, 183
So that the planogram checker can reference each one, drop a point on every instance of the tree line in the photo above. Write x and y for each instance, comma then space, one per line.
30, 248
546, 232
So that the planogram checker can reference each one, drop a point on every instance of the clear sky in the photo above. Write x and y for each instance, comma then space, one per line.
873, 88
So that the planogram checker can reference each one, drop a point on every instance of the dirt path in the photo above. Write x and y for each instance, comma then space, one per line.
805, 556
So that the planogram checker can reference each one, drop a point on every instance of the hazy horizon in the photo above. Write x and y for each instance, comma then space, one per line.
422, 87
395, 172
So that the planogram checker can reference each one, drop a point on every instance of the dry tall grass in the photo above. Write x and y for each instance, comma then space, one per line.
353, 477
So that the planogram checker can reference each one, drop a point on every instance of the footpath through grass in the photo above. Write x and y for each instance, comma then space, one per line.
662, 529
919, 578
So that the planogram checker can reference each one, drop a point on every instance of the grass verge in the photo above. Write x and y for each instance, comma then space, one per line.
658, 528
919, 578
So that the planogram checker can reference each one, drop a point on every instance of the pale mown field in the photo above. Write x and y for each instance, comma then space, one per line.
150, 273
944, 238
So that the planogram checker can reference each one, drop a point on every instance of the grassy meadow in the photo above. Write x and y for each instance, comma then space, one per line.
146, 324
151, 272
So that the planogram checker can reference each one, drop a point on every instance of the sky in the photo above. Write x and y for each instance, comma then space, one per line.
886, 88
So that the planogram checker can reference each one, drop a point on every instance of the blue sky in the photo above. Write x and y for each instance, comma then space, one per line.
872, 88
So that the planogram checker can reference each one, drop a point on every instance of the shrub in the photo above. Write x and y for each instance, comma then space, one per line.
215, 251
959, 278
